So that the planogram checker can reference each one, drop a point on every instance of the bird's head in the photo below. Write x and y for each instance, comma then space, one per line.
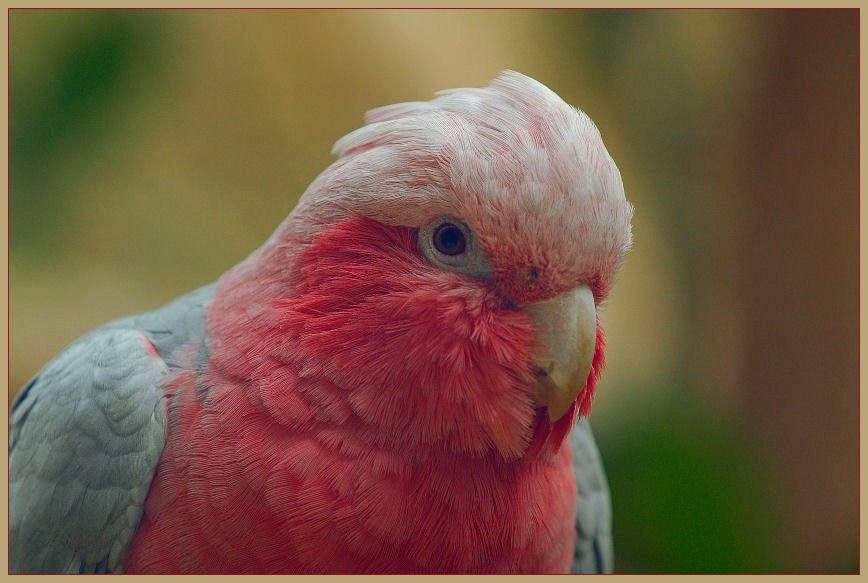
451, 263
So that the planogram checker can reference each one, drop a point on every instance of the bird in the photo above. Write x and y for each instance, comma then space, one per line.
397, 381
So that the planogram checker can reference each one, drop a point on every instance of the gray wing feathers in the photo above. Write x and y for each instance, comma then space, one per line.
174, 325
593, 552
85, 437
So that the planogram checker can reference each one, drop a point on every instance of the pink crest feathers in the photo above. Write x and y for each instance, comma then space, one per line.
527, 172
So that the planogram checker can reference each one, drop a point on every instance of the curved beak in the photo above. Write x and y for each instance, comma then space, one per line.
567, 332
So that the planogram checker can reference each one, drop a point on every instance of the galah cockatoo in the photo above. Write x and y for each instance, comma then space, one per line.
385, 386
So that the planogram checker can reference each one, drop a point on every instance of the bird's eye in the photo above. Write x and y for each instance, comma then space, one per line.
449, 243
449, 240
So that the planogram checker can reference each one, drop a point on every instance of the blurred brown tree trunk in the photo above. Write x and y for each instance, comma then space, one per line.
800, 284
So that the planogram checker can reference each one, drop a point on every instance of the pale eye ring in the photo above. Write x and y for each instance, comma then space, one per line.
450, 244
449, 239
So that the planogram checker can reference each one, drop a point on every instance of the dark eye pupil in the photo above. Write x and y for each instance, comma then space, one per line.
449, 239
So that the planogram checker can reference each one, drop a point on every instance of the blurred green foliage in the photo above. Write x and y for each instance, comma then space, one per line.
690, 495
64, 100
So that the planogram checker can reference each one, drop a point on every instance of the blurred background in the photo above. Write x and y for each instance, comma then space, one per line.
152, 150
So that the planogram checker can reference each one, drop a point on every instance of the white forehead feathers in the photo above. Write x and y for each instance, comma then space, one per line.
512, 147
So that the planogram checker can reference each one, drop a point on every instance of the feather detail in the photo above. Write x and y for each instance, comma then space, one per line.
371, 419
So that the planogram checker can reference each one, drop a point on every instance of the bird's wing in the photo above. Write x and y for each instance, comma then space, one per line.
85, 436
593, 551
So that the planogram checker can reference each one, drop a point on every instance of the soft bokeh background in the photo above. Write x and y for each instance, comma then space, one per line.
150, 151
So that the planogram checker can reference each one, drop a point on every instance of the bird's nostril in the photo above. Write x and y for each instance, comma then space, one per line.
534, 274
